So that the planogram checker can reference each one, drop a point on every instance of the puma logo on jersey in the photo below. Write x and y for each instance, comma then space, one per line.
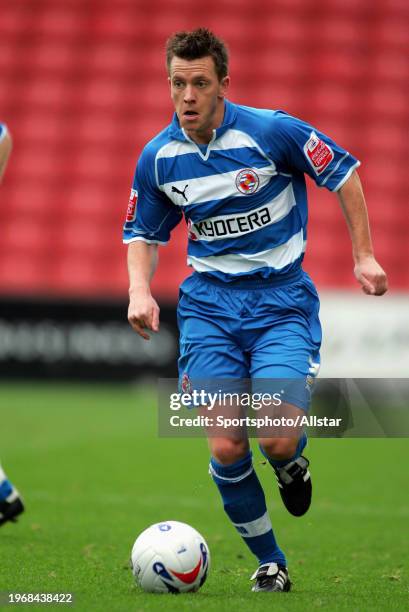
182, 193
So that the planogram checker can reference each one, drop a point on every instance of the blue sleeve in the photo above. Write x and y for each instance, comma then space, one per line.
306, 149
151, 216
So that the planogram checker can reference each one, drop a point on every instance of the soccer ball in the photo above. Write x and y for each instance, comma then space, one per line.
170, 557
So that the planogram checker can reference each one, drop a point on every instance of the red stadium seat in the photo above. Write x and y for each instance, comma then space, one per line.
60, 21
392, 33
390, 66
54, 57
110, 59
115, 24
39, 128
9, 60
14, 20
351, 8
33, 199
76, 275
21, 273
390, 101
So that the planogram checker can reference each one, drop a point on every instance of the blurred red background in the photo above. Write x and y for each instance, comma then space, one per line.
83, 87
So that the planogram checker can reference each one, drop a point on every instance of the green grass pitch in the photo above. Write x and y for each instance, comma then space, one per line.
94, 474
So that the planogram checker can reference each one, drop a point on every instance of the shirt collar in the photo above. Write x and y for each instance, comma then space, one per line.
230, 114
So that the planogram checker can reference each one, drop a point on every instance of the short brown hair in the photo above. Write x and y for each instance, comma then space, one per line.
197, 44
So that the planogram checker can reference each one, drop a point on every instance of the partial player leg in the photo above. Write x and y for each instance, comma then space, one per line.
11, 504
283, 445
244, 502
291, 469
284, 357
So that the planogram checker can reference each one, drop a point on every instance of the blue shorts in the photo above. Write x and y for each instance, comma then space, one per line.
250, 329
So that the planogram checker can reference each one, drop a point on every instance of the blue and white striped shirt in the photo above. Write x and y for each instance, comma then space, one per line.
243, 195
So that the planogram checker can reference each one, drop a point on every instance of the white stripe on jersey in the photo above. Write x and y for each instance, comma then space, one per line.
238, 224
175, 148
232, 139
213, 187
242, 263
235, 139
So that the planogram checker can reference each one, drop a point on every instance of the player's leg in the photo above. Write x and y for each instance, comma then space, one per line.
284, 448
245, 504
286, 354
10, 501
284, 454
209, 329
232, 470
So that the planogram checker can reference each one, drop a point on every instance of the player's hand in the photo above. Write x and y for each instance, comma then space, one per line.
371, 276
143, 313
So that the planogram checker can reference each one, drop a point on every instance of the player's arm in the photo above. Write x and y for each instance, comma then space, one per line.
329, 165
143, 311
5, 148
367, 270
149, 221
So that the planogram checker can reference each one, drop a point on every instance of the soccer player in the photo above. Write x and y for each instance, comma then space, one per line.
248, 311
10, 502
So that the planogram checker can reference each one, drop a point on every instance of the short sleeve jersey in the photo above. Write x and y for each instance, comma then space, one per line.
243, 196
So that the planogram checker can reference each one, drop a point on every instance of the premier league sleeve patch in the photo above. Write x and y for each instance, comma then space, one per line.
133, 198
318, 153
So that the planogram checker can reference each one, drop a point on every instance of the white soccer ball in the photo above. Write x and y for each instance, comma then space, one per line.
170, 557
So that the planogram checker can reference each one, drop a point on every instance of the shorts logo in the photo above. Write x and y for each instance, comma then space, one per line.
186, 385
247, 181
309, 382
133, 198
318, 153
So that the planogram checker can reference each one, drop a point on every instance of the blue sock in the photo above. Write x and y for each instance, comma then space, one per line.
5, 489
302, 443
245, 505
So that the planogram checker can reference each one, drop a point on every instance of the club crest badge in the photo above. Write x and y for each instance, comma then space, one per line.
186, 384
247, 181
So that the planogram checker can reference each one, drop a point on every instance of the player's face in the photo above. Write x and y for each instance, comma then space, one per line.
198, 96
